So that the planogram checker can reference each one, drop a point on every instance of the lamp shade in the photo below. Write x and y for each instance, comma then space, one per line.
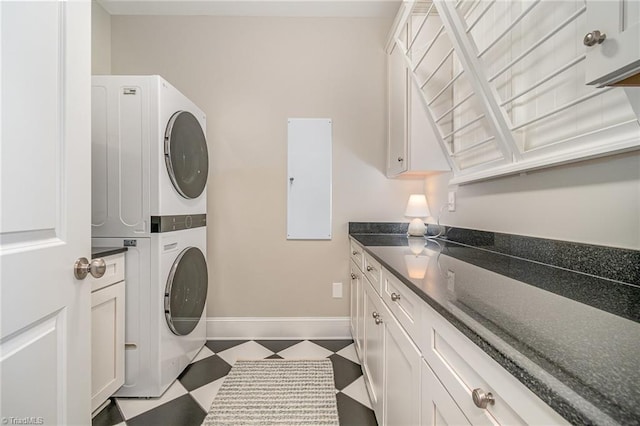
417, 206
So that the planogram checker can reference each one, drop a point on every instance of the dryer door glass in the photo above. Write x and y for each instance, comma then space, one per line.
185, 154
186, 291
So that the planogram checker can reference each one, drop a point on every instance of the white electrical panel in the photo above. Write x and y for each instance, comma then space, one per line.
309, 179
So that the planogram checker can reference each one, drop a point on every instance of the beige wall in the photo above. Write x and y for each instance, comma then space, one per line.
249, 75
595, 202
100, 40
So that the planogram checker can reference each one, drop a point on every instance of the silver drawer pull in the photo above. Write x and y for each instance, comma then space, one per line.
378, 321
395, 297
370, 268
375, 315
353, 276
355, 252
482, 398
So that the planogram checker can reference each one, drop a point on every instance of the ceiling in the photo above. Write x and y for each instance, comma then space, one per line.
286, 8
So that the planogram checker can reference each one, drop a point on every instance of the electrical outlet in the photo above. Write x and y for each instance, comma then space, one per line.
452, 201
451, 281
337, 290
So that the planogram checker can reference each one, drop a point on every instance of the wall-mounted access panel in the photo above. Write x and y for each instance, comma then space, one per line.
309, 179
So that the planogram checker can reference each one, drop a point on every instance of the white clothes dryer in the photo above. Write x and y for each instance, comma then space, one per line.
149, 157
166, 288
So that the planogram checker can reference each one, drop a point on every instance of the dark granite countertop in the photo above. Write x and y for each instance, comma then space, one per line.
106, 251
571, 337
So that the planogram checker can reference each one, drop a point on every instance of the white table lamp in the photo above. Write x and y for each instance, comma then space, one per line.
417, 208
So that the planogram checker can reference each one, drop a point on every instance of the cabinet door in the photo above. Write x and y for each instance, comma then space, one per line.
618, 55
398, 84
438, 408
356, 305
373, 349
107, 342
401, 376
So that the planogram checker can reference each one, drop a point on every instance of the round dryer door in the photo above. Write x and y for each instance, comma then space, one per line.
186, 291
185, 153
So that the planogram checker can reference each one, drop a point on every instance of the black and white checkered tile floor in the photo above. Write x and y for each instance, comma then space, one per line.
187, 401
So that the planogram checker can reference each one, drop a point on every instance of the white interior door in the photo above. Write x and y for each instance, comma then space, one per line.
45, 212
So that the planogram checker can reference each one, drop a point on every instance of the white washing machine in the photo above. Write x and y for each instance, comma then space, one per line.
149, 157
166, 289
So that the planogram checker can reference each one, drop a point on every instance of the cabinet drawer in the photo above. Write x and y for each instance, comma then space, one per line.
113, 274
462, 366
373, 271
404, 303
357, 254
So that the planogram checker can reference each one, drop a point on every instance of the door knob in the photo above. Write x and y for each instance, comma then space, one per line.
593, 38
82, 267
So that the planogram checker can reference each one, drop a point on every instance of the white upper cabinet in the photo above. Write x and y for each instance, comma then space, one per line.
504, 84
613, 40
412, 146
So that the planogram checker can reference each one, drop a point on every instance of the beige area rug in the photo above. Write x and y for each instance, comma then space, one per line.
276, 392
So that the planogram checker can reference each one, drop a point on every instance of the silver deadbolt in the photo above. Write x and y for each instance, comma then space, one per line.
82, 267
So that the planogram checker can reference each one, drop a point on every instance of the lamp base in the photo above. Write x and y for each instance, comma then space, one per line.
417, 228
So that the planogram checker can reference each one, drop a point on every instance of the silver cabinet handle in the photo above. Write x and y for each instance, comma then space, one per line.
400, 159
395, 297
482, 398
82, 268
375, 315
355, 252
378, 321
593, 38
370, 268
353, 276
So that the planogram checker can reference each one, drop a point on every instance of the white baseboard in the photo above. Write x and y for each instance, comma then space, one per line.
278, 328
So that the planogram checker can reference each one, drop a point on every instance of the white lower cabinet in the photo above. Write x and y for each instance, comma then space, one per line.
401, 376
107, 332
391, 364
437, 407
373, 351
356, 301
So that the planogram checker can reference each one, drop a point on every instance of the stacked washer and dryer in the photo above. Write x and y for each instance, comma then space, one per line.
150, 165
